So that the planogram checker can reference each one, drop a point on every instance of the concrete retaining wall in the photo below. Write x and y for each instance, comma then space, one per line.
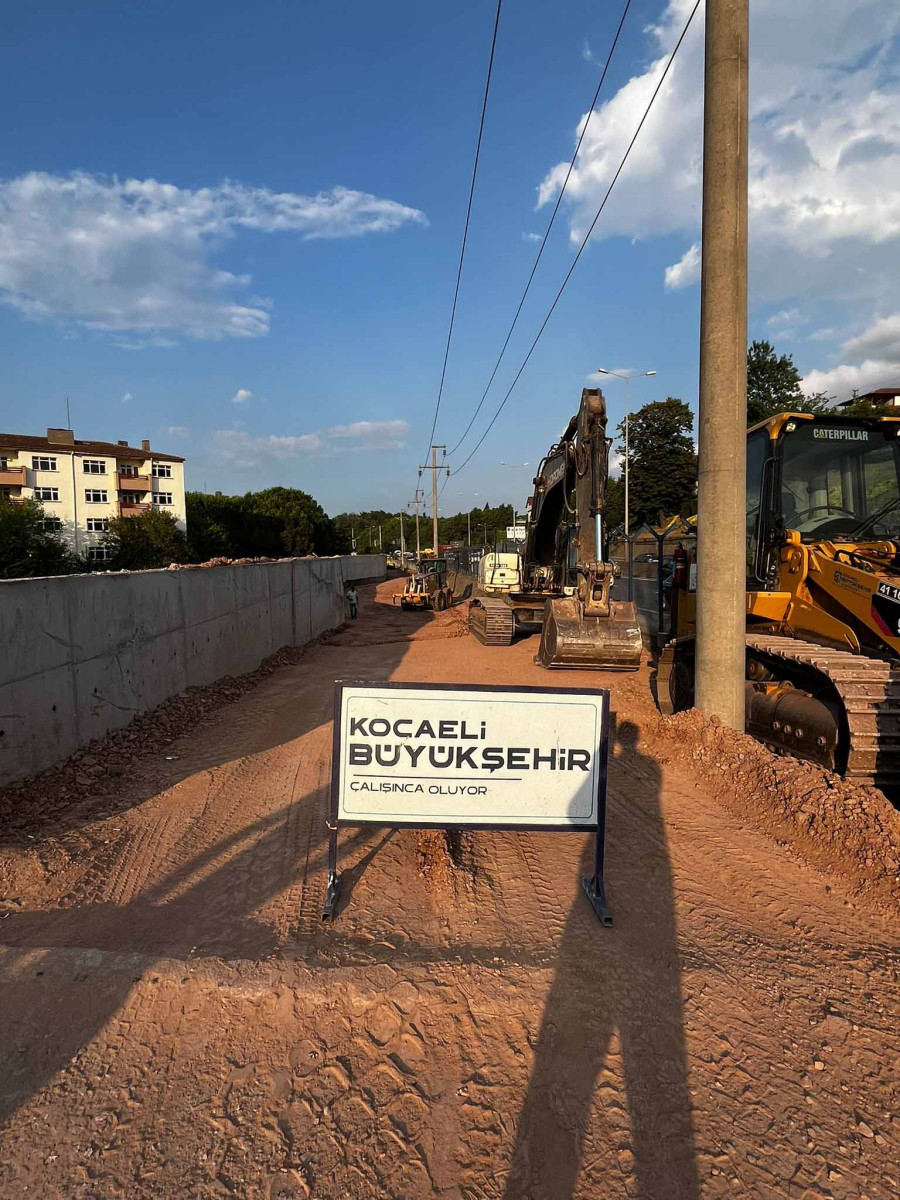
83, 654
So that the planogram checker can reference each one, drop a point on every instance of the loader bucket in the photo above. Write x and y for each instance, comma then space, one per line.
604, 643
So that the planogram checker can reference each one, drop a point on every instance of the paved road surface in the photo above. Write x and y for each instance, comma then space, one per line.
175, 1021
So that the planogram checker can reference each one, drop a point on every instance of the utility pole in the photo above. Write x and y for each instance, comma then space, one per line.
433, 468
721, 498
402, 541
469, 526
380, 546
417, 502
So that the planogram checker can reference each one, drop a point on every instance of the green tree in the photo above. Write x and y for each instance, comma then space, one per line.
862, 408
305, 526
27, 547
773, 385
615, 503
142, 543
662, 463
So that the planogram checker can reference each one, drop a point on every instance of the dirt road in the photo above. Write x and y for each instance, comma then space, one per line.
176, 1022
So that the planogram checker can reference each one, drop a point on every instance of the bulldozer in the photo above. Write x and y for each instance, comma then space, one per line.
564, 587
823, 595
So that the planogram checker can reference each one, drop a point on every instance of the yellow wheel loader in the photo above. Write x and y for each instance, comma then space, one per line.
564, 591
427, 587
823, 595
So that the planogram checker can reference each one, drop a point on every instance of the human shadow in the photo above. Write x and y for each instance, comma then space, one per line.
192, 913
621, 982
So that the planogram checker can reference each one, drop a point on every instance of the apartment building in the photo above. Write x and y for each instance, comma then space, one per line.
81, 484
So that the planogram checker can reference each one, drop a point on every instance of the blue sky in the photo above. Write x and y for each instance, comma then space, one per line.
247, 223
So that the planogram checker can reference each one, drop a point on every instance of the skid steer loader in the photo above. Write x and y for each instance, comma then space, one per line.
564, 591
823, 595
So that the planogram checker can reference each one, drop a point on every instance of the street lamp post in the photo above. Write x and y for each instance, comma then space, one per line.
620, 375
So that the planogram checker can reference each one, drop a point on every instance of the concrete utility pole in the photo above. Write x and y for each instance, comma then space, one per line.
722, 504
433, 468
416, 501
380, 546
402, 541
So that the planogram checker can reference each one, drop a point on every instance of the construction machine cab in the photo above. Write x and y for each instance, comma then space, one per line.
826, 479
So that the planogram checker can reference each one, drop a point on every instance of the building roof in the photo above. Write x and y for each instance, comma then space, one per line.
24, 441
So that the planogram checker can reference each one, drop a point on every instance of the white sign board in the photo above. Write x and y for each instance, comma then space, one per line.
443, 755
515, 533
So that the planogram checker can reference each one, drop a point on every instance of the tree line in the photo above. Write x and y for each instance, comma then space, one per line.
277, 522
284, 522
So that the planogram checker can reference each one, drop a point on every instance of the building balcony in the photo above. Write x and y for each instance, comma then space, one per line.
132, 483
12, 476
130, 508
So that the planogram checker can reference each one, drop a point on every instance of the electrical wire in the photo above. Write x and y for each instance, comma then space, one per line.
543, 244
462, 251
587, 236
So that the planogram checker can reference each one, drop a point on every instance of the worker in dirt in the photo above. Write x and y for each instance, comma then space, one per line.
352, 600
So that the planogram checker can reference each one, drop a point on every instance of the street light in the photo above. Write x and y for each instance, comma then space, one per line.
620, 375
505, 464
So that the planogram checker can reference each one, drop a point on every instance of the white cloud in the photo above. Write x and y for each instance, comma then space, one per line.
127, 398
874, 361
686, 270
244, 449
824, 189
177, 430
532, 237
133, 258
241, 396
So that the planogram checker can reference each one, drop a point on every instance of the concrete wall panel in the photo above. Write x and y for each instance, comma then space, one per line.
84, 654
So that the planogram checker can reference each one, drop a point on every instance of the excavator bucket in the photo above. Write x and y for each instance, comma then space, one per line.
569, 639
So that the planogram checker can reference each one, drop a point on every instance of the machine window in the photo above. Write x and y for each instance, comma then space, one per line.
841, 482
757, 450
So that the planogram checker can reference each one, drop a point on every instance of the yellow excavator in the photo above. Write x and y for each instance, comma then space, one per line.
563, 585
823, 595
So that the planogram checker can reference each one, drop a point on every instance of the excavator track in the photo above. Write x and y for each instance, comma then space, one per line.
492, 622
869, 692
866, 689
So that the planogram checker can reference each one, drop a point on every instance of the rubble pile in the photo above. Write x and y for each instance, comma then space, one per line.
846, 828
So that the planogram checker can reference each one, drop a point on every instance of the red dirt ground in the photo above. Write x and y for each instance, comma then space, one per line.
176, 1021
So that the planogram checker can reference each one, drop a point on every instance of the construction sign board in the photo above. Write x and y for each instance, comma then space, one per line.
454, 756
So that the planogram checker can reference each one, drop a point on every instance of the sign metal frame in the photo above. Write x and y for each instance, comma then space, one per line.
593, 885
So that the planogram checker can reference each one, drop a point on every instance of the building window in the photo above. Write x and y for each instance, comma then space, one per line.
94, 466
162, 470
46, 493
128, 469
98, 524
51, 525
4, 462
40, 463
162, 498
96, 496
98, 553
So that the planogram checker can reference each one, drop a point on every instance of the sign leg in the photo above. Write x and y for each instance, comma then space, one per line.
593, 884
333, 890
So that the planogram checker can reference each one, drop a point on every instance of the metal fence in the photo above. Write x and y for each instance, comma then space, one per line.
646, 559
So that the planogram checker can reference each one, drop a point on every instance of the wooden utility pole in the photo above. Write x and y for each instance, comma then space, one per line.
721, 497
433, 468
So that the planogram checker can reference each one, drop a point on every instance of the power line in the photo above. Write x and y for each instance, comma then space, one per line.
584, 242
543, 245
462, 251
